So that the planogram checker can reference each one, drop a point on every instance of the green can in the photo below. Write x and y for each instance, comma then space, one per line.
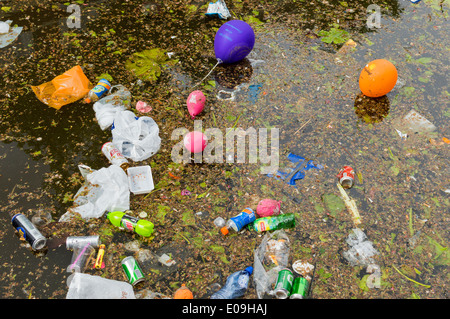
284, 283
132, 270
300, 288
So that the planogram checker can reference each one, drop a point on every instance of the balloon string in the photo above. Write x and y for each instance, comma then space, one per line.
218, 62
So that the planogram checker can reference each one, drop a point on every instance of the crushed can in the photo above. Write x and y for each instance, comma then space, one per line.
132, 270
114, 156
346, 177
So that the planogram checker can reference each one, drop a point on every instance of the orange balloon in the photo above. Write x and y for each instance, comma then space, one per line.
378, 78
183, 293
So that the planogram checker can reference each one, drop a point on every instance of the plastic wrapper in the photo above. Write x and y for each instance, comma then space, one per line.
8, 34
219, 9
271, 256
85, 286
106, 108
137, 138
361, 252
105, 190
64, 89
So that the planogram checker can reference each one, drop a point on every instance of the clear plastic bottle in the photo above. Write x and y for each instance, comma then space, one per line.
98, 91
236, 285
239, 221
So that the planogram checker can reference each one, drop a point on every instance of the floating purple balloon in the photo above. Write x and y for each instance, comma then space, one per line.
233, 41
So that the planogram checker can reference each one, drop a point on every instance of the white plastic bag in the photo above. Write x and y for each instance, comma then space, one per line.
105, 190
85, 286
107, 107
271, 256
136, 138
361, 252
7, 33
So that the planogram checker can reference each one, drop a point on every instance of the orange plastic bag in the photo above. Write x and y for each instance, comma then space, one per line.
64, 89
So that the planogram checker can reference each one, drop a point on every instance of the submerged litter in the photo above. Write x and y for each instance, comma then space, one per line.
417, 123
361, 252
296, 173
8, 34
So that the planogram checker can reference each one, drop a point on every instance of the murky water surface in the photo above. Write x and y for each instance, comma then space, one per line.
292, 80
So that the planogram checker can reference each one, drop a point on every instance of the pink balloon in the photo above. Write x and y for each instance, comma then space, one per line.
268, 207
195, 103
195, 142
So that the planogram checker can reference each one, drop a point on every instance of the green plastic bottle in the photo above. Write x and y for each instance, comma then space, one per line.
139, 226
275, 222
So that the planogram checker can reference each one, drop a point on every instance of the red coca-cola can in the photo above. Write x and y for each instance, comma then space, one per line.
346, 177
114, 156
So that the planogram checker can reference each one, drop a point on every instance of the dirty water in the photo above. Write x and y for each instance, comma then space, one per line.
293, 81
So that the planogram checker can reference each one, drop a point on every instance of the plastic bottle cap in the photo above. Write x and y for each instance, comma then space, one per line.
249, 270
224, 230
87, 100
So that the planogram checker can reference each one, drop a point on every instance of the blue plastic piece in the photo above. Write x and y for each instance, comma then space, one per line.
236, 285
296, 173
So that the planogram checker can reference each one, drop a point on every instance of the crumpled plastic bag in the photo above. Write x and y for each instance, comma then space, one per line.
64, 89
135, 137
8, 34
106, 108
271, 256
85, 286
361, 252
218, 8
105, 190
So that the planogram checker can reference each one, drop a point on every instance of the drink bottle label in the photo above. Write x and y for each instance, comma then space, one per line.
245, 217
101, 88
129, 222
243, 281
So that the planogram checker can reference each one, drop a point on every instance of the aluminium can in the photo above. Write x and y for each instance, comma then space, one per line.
132, 270
81, 241
346, 177
29, 232
299, 288
284, 283
114, 156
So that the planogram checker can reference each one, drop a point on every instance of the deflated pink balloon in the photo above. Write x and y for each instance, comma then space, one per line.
268, 207
195, 103
195, 142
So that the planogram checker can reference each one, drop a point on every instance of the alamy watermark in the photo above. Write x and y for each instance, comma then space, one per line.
374, 18
74, 20
259, 147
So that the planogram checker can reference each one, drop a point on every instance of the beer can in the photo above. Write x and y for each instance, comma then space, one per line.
284, 283
299, 288
114, 156
346, 177
29, 232
81, 241
132, 270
